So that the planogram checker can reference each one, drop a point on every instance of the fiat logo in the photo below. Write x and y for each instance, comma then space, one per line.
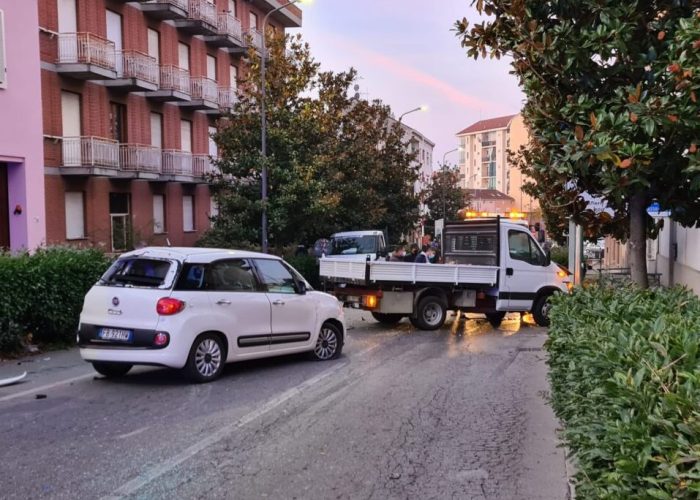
115, 301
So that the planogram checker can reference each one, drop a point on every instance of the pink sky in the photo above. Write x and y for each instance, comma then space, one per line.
407, 55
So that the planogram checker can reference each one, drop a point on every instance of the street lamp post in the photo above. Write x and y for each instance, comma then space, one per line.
444, 157
263, 124
419, 108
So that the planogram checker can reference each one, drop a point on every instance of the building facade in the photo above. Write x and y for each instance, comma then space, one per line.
491, 201
132, 93
22, 214
483, 159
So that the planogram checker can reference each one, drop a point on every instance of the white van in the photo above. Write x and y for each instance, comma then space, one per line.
357, 245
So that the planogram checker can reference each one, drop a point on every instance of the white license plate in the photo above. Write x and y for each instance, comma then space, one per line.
352, 298
115, 334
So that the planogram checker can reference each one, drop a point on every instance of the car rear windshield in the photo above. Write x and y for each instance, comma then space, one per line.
141, 272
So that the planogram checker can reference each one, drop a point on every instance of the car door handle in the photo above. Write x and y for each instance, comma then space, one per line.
278, 303
509, 271
223, 302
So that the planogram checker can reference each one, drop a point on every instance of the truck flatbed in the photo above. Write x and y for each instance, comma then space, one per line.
381, 271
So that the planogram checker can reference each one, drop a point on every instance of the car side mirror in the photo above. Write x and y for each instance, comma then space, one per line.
300, 288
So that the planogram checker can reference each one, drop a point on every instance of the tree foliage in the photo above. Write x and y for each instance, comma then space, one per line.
611, 93
443, 196
334, 162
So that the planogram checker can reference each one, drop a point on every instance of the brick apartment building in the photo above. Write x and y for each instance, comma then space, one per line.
131, 94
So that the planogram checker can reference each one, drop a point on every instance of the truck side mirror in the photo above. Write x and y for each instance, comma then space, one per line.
547, 258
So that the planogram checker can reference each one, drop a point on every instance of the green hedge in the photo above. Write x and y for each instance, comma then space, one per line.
42, 294
625, 377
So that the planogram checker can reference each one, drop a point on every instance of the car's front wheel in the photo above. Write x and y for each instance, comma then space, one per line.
111, 370
329, 344
206, 359
540, 310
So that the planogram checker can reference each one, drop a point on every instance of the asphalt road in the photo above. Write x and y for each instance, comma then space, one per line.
457, 413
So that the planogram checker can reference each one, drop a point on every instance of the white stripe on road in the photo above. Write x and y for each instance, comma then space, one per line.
129, 434
43, 388
139, 482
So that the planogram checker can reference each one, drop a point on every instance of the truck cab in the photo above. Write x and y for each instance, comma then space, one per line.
357, 245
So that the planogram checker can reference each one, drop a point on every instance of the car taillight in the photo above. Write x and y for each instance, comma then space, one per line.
168, 306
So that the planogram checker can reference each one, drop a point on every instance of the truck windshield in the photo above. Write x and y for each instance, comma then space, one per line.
142, 272
350, 245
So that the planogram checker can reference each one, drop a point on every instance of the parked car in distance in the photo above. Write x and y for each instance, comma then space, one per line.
198, 308
357, 245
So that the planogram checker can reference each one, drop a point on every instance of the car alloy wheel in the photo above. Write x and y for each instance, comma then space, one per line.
207, 357
327, 343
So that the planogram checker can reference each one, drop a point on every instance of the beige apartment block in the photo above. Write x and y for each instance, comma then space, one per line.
484, 164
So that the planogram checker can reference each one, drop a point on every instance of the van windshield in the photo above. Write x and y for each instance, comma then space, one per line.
141, 272
350, 245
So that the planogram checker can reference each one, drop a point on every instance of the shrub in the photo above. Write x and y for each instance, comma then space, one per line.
560, 255
42, 293
308, 266
625, 377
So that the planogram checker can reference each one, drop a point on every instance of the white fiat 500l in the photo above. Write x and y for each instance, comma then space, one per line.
197, 308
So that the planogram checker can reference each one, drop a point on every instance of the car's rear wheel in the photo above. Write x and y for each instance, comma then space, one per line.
206, 359
329, 344
430, 313
111, 370
387, 319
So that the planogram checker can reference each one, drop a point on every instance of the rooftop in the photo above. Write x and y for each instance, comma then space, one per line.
488, 124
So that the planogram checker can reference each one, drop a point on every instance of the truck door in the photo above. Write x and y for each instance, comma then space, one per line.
524, 270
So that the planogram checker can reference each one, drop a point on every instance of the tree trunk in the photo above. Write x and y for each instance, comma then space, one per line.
638, 240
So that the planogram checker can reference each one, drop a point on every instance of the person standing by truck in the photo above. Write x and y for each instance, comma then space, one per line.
426, 254
411, 257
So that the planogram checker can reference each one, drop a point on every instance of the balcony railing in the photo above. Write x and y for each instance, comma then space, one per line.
177, 162
90, 152
255, 38
227, 98
86, 48
140, 158
204, 89
202, 165
203, 10
133, 64
229, 25
174, 78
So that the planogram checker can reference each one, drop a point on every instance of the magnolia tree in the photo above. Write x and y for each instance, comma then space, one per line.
443, 196
334, 162
612, 90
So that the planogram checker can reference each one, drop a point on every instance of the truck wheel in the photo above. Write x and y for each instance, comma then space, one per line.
430, 313
495, 318
387, 319
540, 310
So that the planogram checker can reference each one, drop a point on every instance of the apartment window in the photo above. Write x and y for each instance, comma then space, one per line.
157, 130
183, 56
232, 7
154, 44
211, 67
213, 148
75, 215
186, 135
253, 20
158, 213
233, 77
3, 68
188, 213
117, 121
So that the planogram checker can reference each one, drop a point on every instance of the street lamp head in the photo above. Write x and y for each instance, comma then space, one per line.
424, 107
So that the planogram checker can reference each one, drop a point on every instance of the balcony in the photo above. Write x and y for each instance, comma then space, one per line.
255, 39
204, 95
136, 72
177, 164
86, 56
229, 35
202, 166
228, 97
145, 161
165, 9
174, 85
201, 19
89, 156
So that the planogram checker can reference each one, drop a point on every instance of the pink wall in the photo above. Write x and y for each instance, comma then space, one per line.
21, 136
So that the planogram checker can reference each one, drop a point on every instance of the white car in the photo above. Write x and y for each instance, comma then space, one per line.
197, 308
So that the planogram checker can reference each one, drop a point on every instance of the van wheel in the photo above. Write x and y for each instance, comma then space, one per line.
206, 359
430, 313
495, 318
111, 370
387, 319
540, 310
